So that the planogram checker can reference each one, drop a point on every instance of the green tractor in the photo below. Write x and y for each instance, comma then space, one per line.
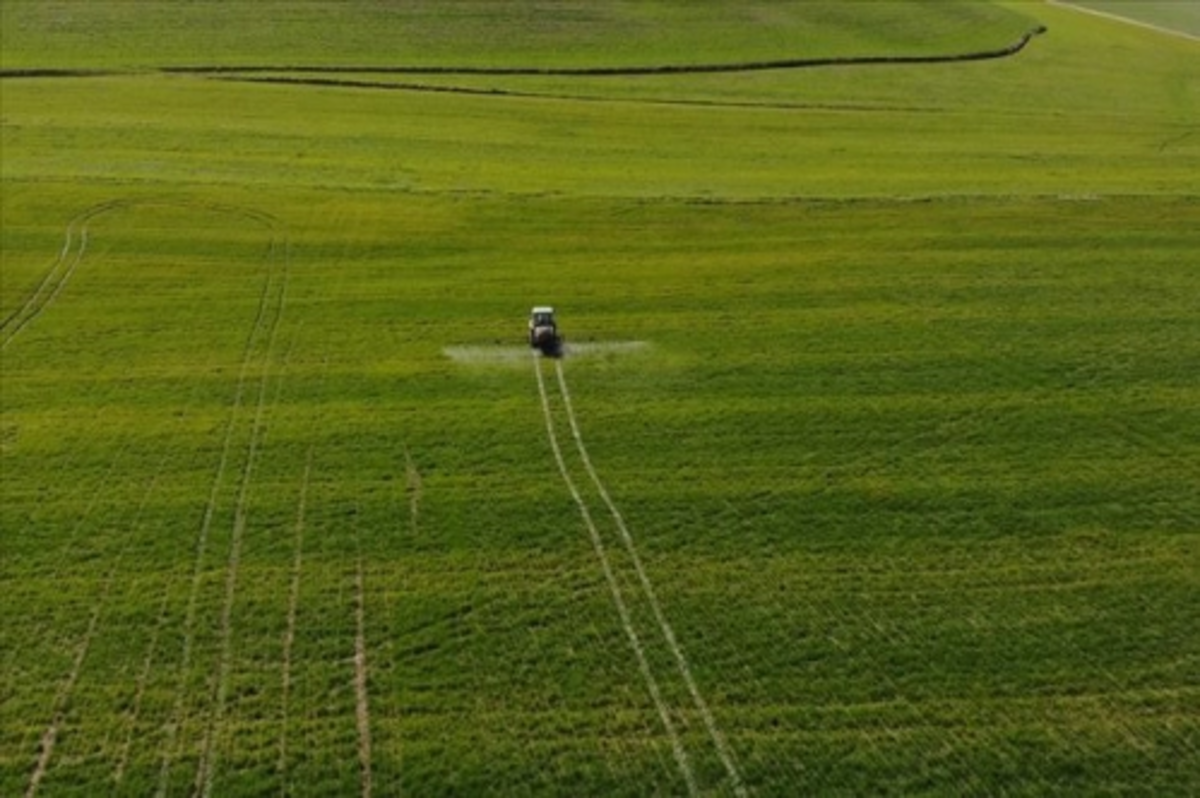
543, 332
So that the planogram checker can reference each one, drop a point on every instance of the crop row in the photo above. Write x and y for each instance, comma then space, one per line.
285, 525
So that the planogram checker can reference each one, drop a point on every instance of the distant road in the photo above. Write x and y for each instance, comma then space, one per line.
1129, 20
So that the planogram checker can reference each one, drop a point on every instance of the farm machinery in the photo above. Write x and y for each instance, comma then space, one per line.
543, 331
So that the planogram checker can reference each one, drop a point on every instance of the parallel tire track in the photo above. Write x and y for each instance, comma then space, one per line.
718, 739
257, 354
63, 698
677, 749
293, 604
274, 313
74, 248
267, 316
140, 692
362, 707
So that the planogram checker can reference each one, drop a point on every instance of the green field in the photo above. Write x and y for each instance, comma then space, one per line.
871, 467
1175, 15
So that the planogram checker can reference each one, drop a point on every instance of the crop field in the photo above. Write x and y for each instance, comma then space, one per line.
872, 464
1168, 15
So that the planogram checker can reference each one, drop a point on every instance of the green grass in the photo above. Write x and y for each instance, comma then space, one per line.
63, 33
909, 453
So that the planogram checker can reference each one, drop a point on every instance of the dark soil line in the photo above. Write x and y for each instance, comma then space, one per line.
667, 69
284, 80
55, 73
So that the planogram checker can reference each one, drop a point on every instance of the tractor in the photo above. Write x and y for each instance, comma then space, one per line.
543, 332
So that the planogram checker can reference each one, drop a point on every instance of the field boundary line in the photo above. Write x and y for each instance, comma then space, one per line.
681, 757
1010, 49
50, 736
1126, 20
722, 746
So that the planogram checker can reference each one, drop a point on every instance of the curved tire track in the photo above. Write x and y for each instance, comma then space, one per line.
75, 246
63, 697
57, 276
270, 312
267, 316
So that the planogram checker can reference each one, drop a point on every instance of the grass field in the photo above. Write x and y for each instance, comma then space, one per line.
871, 468
1168, 14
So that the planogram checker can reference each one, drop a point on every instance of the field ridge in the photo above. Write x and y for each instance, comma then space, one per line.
246, 70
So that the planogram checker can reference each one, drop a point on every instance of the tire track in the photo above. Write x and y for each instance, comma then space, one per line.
257, 354
677, 749
63, 698
72, 255
271, 308
57, 276
413, 487
75, 247
147, 661
289, 635
140, 692
260, 328
362, 709
685, 671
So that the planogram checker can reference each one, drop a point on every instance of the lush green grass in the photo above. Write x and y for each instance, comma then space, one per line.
909, 454
65, 33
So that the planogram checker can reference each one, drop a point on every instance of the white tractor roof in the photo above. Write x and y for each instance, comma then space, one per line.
543, 309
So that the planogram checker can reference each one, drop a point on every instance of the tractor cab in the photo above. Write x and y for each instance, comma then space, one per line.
543, 331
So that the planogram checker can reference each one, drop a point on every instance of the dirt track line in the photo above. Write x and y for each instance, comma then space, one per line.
148, 659
139, 695
289, 635
207, 518
208, 760
681, 757
56, 278
362, 707
412, 485
718, 739
50, 736
189, 621
32, 298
